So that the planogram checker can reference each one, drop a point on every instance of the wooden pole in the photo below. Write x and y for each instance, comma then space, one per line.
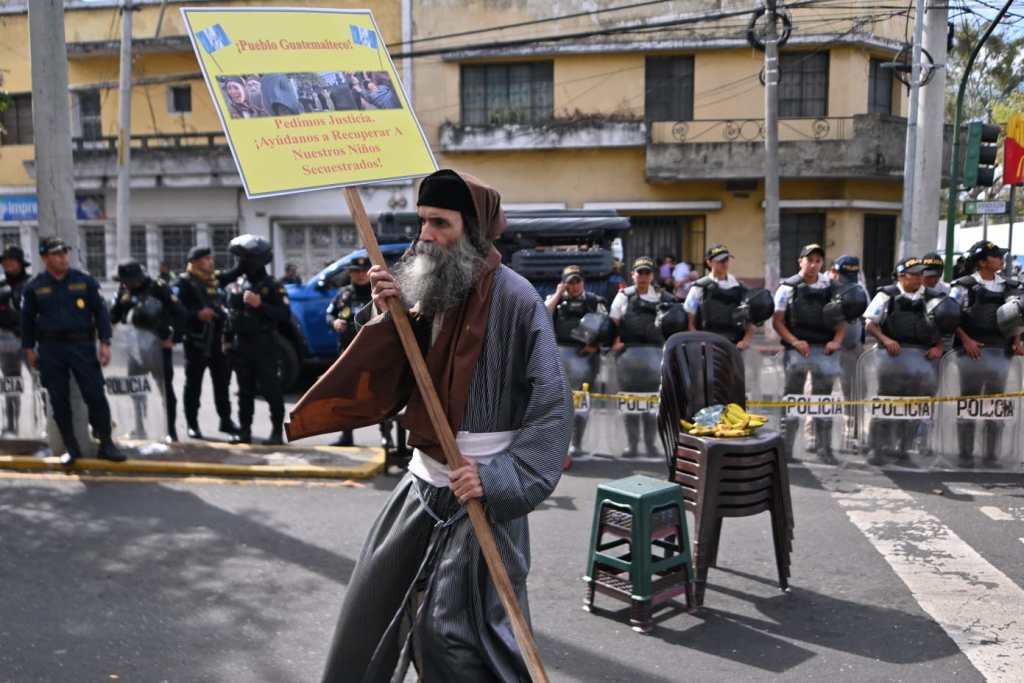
481, 527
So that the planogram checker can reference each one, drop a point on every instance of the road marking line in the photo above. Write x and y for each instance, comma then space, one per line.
975, 604
976, 491
1014, 514
55, 476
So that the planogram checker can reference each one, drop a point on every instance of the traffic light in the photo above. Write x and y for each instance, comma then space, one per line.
980, 156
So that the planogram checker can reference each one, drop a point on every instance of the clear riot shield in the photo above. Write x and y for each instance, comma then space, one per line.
897, 424
18, 417
135, 385
976, 432
626, 426
813, 398
580, 371
765, 380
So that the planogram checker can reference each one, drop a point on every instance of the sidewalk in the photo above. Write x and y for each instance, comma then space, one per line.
210, 458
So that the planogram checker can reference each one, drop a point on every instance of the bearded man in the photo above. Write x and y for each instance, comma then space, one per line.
421, 589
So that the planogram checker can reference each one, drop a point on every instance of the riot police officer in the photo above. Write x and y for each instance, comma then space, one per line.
150, 306
201, 292
845, 273
811, 339
11, 289
341, 314
638, 342
902, 317
581, 360
714, 299
934, 267
983, 349
62, 311
257, 304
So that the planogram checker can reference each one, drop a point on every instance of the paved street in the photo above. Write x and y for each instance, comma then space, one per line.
914, 577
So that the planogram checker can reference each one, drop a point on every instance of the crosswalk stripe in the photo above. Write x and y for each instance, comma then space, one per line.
977, 491
974, 603
1000, 515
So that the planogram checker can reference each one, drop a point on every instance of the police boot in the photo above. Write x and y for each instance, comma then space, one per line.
790, 427
385, 436
965, 438
108, 450
276, 437
632, 435
823, 436
243, 435
345, 438
193, 430
650, 436
226, 426
72, 451
579, 426
12, 414
139, 403
992, 433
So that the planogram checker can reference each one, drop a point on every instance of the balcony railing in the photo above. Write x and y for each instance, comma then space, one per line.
750, 130
152, 141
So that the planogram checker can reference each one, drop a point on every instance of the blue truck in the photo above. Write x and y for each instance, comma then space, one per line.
536, 244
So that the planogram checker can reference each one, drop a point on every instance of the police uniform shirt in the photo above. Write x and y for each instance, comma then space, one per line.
876, 310
696, 293
71, 305
621, 301
996, 285
785, 292
600, 304
943, 287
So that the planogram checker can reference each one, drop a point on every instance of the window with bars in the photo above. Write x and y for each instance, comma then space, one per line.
796, 231
16, 121
178, 240
10, 237
179, 99
220, 238
880, 98
803, 84
95, 252
89, 115
137, 247
668, 89
500, 94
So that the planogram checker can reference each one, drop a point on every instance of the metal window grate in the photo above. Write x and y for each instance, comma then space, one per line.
797, 230
94, 238
137, 248
89, 114
668, 89
179, 97
502, 94
220, 238
16, 121
178, 240
879, 88
803, 85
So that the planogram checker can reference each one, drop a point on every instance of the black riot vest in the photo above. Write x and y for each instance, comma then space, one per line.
804, 311
350, 299
637, 324
716, 308
979, 315
568, 314
906, 320
245, 320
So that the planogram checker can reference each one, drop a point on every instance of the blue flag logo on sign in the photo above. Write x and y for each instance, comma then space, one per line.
213, 38
364, 36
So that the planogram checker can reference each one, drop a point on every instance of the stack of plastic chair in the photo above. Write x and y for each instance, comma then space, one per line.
720, 477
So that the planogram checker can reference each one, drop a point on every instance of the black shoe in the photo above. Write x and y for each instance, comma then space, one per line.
172, 436
243, 436
966, 462
826, 458
629, 453
194, 433
276, 438
226, 426
344, 440
67, 460
877, 458
108, 450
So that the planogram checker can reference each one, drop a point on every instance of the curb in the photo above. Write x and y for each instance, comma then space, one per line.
365, 470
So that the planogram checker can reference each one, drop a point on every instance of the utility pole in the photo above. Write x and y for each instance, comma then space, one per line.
954, 164
909, 162
931, 122
771, 147
51, 122
124, 135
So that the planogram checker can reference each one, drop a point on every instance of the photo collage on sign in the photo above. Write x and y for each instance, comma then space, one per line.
290, 94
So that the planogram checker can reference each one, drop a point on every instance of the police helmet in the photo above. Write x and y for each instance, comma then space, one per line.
130, 273
757, 307
146, 315
672, 319
593, 328
848, 304
251, 248
944, 314
1010, 316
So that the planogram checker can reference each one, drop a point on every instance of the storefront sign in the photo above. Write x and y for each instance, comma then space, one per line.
25, 207
309, 98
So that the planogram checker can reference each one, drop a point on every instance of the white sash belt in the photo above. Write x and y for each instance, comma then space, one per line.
481, 446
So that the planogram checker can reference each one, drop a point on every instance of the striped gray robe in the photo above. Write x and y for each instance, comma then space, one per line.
422, 542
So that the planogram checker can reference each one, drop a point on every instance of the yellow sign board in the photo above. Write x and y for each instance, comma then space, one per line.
309, 98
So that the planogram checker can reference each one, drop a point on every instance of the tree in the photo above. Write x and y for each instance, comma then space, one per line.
998, 74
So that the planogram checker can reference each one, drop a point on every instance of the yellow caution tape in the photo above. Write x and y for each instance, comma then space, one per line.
786, 404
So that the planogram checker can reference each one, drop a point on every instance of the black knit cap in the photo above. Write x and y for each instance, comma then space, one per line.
444, 189
198, 252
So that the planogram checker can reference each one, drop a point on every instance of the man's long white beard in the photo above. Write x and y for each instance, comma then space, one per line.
435, 278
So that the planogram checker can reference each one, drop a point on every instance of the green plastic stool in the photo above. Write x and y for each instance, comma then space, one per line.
644, 514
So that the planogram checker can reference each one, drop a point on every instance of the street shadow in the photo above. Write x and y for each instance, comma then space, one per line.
145, 580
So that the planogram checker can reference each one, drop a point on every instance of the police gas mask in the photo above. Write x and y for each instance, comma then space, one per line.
848, 304
757, 307
1010, 316
943, 314
593, 328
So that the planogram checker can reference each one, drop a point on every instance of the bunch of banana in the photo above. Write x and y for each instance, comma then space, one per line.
734, 422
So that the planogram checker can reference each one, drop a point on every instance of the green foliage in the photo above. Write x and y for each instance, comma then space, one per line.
998, 75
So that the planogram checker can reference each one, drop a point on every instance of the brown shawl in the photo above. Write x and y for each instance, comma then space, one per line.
372, 379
